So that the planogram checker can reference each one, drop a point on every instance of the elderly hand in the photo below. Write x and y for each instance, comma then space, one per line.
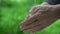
39, 17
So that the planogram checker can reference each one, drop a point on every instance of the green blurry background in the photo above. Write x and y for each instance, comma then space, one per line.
12, 12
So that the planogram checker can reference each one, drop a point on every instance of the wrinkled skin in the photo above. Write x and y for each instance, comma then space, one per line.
39, 17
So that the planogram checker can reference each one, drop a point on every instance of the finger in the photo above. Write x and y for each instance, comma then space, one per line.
43, 20
38, 17
34, 10
36, 22
27, 23
41, 26
31, 30
43, 10
30, 20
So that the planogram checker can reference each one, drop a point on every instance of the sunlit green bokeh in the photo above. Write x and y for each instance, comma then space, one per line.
14, 11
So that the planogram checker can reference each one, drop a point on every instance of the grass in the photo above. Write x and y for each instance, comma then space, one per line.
11, 17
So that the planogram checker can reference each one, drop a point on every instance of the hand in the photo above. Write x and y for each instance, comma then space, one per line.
40, 17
